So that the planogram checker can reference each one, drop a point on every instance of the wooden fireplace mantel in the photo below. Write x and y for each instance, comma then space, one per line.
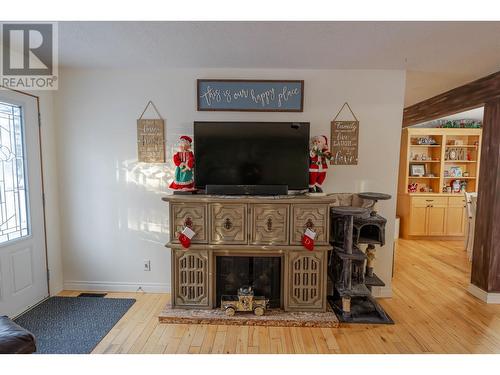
249, 226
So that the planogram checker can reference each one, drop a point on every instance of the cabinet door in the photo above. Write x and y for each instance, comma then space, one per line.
191, 278
228, 223
455, 217
190, 215
418, 219
313, 216
306, 287
270, 224
436, 220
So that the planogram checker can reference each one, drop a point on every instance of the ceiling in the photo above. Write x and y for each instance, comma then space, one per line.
437, 55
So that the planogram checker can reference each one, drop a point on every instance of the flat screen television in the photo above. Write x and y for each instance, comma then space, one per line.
251, 153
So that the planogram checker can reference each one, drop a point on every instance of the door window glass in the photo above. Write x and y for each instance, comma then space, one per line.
14, 221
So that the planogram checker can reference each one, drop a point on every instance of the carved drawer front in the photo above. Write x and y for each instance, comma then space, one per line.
270, 224
191, 270
313, 216
305, 281
228, 223
191, 215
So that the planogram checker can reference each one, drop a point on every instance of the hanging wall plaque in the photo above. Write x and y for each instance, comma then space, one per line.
151, 138
344, 139
246, 95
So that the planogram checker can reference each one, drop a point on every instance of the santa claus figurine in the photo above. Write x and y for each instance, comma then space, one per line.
319, 155
184, 162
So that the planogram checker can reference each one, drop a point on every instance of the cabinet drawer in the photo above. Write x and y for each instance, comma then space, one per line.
228, 223
190, 215
269, 224
313, 216
429, 200
456, 201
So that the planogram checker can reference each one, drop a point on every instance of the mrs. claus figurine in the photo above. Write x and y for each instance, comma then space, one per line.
184, 162
319, 155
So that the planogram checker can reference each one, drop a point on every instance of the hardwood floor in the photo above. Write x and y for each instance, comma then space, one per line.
430, 305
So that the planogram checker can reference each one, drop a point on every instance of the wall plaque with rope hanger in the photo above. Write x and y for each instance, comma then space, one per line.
151, 138
344, 139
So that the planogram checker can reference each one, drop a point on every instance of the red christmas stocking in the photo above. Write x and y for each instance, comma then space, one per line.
185, 237
308, 239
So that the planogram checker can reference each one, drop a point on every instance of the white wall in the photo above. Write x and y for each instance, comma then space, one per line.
112, 217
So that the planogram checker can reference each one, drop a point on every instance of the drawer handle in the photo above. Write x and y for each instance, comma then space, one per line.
228, 224
429, 200
309, 224
269, 224
188, 222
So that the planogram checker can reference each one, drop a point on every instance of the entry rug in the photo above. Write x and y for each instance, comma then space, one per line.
71, 325
272, 317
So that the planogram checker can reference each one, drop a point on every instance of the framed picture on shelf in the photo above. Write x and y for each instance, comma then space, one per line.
455, 172
417, 170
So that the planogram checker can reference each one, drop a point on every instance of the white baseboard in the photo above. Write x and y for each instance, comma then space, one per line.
492, 298
112, 286
382, 292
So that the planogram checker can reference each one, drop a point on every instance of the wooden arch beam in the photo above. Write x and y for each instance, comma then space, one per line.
472, 95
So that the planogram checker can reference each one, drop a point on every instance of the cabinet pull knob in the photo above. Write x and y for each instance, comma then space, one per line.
269, 224
188, 222
228, 224
309, 224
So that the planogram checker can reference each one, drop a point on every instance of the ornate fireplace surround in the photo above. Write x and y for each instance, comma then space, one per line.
251, 226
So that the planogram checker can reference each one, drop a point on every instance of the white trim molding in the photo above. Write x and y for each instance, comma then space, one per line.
492, 298
382, 292
112, 286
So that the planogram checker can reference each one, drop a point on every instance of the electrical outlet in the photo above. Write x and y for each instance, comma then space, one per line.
147, 265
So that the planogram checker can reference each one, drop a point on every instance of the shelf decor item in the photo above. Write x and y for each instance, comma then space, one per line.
344, 139
455, 172
184, 165
246, 95
426, 141
417, 170
455, 186
151, 138
455, 153
245, 301
467, 124
319, 155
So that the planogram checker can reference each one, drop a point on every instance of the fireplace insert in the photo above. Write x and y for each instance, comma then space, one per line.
263, 274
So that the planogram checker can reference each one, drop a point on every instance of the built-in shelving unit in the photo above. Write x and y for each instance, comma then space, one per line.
435, 209
456, 149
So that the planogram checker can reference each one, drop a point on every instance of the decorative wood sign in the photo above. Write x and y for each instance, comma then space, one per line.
344, 140
151, 138
250, 95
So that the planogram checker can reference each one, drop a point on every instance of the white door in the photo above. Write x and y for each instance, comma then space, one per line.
23, 268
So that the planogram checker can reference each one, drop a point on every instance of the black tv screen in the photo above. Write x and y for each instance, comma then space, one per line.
251, 153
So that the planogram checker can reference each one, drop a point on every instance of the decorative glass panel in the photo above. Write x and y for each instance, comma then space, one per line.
14, 221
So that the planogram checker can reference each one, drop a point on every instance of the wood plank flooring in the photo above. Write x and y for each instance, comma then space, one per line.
430, 305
